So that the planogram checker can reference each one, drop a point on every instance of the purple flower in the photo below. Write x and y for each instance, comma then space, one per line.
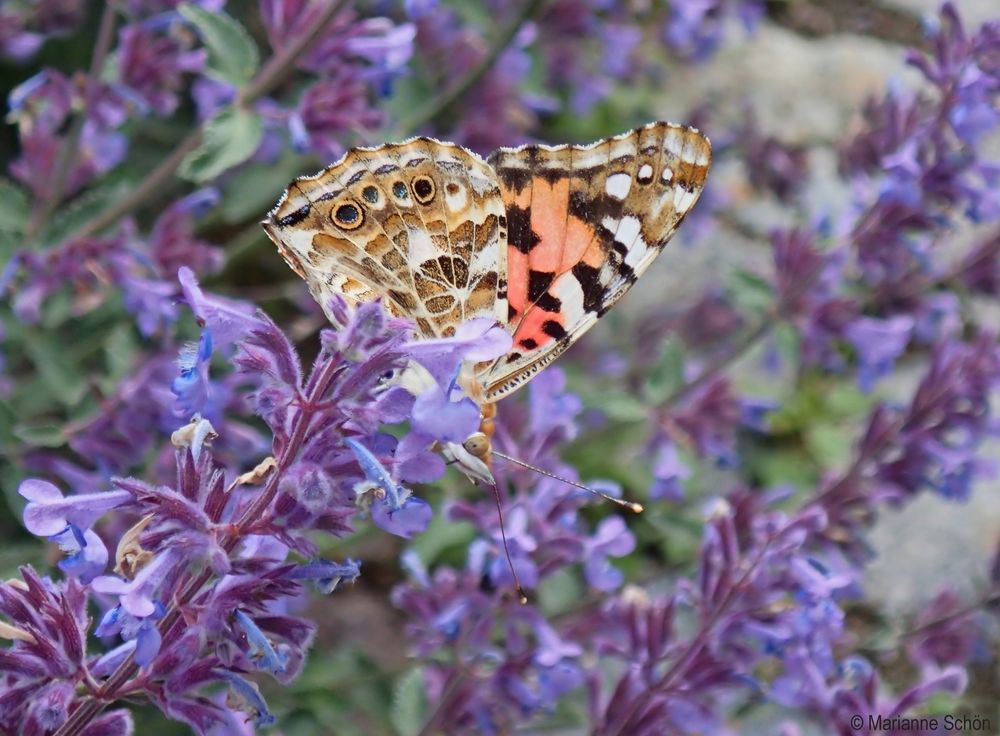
250, 700
878, 344
139, 596
475, 341
192, 387
141, 630
48, 513
151, 66
228, 319
394, 508
172, 241
669, 471
328, 109
611, 539
87, 556
262, 653
437, 415
326, 575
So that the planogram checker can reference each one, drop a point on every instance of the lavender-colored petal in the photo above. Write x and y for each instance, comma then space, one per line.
48, 513
87, 556
147, 643
412, 517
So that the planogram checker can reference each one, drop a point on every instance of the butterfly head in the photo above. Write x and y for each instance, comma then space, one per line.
477, 444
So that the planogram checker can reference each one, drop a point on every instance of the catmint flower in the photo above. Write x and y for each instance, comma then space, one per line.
326, 575
668, 472
49, 513
611, 539
248, 699
262, 653
141, 630
87, 556
138, 596
878, 344
151, 66
192, 387
393, 507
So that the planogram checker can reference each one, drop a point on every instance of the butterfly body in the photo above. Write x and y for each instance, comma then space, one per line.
542, 239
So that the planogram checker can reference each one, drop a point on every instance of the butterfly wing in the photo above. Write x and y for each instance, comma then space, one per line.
584, 222
420, 224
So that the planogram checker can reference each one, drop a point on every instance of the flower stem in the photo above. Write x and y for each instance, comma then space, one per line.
67, 154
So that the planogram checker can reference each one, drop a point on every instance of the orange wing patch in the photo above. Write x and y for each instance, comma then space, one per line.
584, 222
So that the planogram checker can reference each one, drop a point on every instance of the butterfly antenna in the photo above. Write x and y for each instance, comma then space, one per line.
522, 596
630, 505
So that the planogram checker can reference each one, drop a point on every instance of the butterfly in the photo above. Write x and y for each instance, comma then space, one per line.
542, 239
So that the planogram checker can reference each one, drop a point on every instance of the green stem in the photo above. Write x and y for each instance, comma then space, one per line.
67, 154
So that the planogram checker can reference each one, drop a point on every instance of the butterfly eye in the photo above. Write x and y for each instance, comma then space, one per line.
370, 194
477, 444
423, 189
348, 216
399, 189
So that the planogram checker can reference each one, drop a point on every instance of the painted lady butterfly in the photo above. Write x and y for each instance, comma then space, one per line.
542, 239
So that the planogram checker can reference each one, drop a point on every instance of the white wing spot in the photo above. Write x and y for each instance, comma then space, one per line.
673, 144
645, 173
667, 176
456, 202
618, 185
683, 199
628, 230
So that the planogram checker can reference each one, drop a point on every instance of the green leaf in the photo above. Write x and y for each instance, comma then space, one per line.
257, 188
13, 207
232, 54
440, 535
751, 292
409, 704
61, 378
83, 208
667, 374
831, 444
230, 138
621, 407
559, 592
788, 342
41, 435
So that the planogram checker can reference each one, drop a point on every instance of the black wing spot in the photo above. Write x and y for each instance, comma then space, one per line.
590, 284
295, 217
538, 283
519, 232
553, 329
528, 343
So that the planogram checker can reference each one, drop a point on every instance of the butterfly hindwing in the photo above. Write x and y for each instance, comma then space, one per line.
584, 222
420, 224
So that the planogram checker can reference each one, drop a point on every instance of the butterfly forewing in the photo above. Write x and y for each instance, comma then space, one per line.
584, 223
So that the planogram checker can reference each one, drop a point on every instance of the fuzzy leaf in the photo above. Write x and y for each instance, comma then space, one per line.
409, 704
667, 374
13, 207
230, 138
84, 207
41, 435
232, 54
